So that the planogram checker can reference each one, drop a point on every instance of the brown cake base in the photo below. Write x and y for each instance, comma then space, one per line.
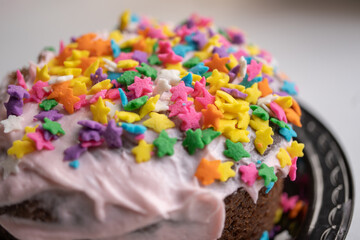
244, 218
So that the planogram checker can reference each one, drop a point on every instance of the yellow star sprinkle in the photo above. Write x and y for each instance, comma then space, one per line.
224, 95
81, 79
129, 63
202, 55
233, 62
92, 68
268, 70
217, 80
257, 123
100, 111
71, 71
149, 45
244, 119
225, 171
284, 102
213, 42
21, 147
226, 125
158, 122
106, 84
263, 139
296, 149
149, 106
72, 63
253, 50
237, 135
129, 117
142, 151
78, 54
253, 94
79, 88
125, 19
29, 129
116, 35
283, 157
42, 74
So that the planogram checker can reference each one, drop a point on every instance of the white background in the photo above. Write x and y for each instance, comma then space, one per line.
316, 44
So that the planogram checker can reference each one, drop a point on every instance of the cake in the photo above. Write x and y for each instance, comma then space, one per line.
148, 131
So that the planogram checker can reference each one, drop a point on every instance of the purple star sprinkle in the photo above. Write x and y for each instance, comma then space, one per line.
113, 134
14, 106
281, 94
89, 135
140, 56
53, 115
238, 38
221, 51
234, 72
269, 78
200, 39
17, 92
234, 92
48, 136
92, 125
98, 76
190, 23
73, 152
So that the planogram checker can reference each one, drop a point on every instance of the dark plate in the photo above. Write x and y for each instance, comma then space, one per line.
324, 182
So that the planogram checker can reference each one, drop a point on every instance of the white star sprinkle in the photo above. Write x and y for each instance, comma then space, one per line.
171, 75
12, 123
162, 85
112, 107
9, 166
266, 100
60, 79
243, 66
161, 106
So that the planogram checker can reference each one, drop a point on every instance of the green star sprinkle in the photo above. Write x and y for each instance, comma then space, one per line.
53, 127
48, 104
193, 141
164, 144
136, 103
128, 78
192, 62
259, 112
208, 135
154, 60
235, 151
267, 173
147, 71
281, 124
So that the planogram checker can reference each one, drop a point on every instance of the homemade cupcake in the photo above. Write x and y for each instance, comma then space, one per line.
149, 131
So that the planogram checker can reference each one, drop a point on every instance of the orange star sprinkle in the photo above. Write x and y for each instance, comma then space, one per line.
96, 46
207, 171
86, 62
264, 88
218, 63
296, 107
293, 117
212, 116
64, 95
67, 52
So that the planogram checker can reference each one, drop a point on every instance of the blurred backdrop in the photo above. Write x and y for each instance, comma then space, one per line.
317, 43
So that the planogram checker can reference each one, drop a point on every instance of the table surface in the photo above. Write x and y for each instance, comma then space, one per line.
316, 44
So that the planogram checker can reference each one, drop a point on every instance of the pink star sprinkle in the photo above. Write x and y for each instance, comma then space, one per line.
179, 107
199, 87
279, 112
248, 174
123, 56
170, 57
112, 94
37, 92
20, 79
92, 143
81, 103
40, 141
164, 47
253, 69
288, 203
180, 92
190, 119
293, 168
156, 33
141, 87
101, 94
240, 54
206, 99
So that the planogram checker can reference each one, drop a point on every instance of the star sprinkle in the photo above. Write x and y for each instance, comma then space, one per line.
158, 122
259, 112
288, 203
112, 135
263, 139
37, 91
141, 87
253, 69
14, 106
134, 129
253, 94
92, 125
283, 158
17, 92
179, 107
53, 127
199, 69
98, 76
206, 99
234, 92
136, 103
74, 152
143, 151
188, 80
172, 76
128, 77
20, 148
257, 123
48, 104
64, 95
89, 135
293, 117
170, 57
40, 142
103, 85
208, 135
225, 171
289, 87
293, 168
192, 62
211, 115
279, 112
74, 164
147, 71
296, 149
267, 173
180, 92
12, 123
287, 132
164, 144
248, 174
235, 151
207, 171
115, 48
42, 74
193, 141
20, 79
149, 106
100, 111
9, 166
190, 119
218, 63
